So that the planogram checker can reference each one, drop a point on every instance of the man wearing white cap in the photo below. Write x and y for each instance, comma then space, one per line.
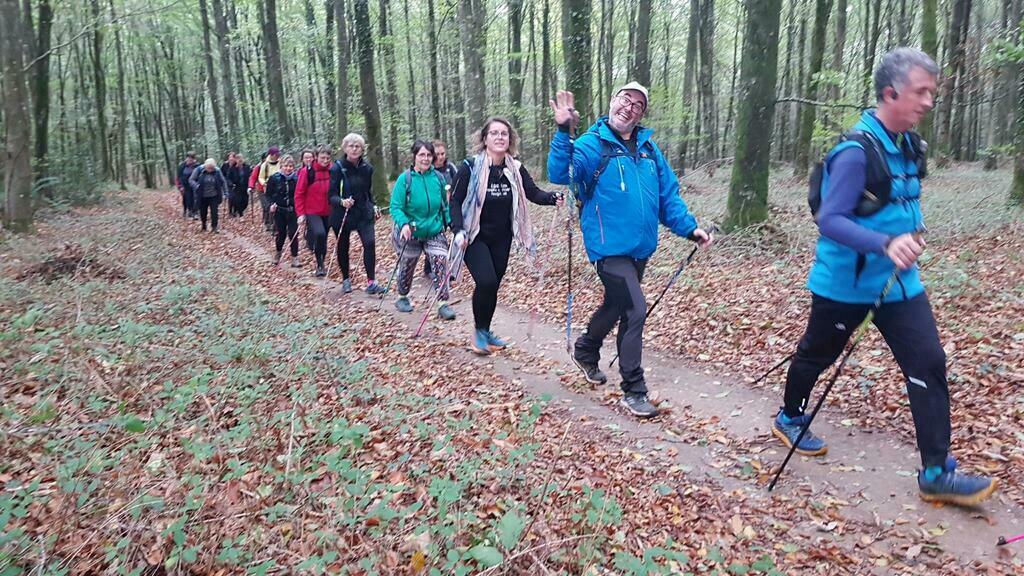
624, 187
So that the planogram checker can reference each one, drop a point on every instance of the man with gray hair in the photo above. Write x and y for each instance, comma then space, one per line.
870, 225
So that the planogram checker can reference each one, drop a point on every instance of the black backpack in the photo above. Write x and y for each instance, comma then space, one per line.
878, 178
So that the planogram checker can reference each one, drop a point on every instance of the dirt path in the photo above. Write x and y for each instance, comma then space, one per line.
716, 429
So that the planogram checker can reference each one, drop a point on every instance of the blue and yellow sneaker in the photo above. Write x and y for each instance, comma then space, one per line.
788, 429
945, 485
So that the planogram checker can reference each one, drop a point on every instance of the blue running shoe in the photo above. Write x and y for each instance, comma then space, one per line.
479, 343
495, 343
953, 488
787, 429
403, 304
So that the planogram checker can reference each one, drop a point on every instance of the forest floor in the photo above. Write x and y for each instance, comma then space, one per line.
174, 404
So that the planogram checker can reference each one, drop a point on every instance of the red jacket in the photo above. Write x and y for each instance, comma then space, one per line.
311, 197
254, 178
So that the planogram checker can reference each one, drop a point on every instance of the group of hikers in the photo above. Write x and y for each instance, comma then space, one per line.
620, 187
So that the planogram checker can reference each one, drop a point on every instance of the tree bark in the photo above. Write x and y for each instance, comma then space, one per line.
41, 89
835, 91
732, 82
689, 76
474, 46
515, 60
930, 46
807, 113
435, 76
641, 48
576, 34
955, 40
872, 30
1017, 186
748, 189
387, 48
368, 92
122, 106
709, 113
275, 73
18, 210
413, 109
100, 92
211, 77
220, 25
341, 44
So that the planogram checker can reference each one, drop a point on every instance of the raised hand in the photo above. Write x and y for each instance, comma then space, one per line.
564, 110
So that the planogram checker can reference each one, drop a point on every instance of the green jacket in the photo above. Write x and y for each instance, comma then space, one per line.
423, 201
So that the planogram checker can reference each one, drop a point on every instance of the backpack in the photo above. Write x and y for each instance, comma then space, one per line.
878, 178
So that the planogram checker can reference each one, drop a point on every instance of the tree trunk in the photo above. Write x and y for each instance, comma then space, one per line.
220, 25
782, 121
641, 49
1017, 187
732, 82
955, 41
435, 76
1004, 89
17, 166
368, 91
515, 60
341, 44
803, 142
576, 34
872, 30
100, 91
709, 113
748, 189
459, 103
794, 117
41, 89
930, 46
546, 89
387, 48
122, 106
412, 78
474, 45
211, 77
689, 75
275, 73
836, 90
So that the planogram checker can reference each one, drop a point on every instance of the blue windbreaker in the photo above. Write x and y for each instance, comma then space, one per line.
839, 272
620, 212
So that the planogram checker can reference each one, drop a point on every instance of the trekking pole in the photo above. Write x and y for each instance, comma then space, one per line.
857, 335
440, 286
569, 296
398, 263
1003, 541
289, 243
774, 368
542, 268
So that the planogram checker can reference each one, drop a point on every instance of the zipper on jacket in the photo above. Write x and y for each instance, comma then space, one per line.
600, 224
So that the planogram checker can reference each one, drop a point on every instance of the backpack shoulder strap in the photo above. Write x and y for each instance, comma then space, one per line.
607, 152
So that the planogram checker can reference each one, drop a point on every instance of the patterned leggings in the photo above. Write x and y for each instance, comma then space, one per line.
436, 250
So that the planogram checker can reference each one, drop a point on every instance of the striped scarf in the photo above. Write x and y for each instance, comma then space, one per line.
522, 230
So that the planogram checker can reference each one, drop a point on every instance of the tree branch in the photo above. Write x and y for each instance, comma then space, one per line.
816, 103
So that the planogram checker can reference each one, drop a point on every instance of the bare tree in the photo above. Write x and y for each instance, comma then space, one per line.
17, 213
368, 92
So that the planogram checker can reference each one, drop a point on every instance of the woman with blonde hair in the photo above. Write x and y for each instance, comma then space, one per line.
489, 213
353, 210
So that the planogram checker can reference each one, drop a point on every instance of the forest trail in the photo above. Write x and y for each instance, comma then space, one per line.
717, 429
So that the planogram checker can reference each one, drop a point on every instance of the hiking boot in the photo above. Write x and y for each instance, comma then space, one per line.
787, 429
320, 272
374, 289
403, 304
952, 488
445, 312
214, 230
277, 258
346, 286
639, 405
591, 372
295, 262
495, 343
479, 344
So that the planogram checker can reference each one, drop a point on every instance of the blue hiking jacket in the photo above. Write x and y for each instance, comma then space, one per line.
620, 212
841, 273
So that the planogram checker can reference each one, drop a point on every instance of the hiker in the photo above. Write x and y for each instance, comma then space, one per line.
239, 194
419, 210
268, 168
255, 189
281, 193
312, 204
353, 210
448, 170
307, 157
619, 211
188, 206
490, 212
227, 169
209, 186
858, 250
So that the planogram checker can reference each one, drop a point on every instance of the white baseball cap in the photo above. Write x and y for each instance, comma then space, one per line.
639, 88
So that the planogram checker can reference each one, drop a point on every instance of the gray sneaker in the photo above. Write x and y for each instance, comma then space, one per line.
403, 304
374, 289
295, 262
277, 258
637, 403
446, 312
346, 286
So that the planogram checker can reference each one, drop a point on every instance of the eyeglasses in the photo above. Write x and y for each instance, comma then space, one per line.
496, 133
424, 154
634, 107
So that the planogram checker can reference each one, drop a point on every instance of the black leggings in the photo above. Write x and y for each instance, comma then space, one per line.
486, 261
909, 329
211, 204
316, 236
239, 202
287, 224
366, 237
187, 202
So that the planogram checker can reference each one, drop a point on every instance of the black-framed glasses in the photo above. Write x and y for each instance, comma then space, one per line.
634, 106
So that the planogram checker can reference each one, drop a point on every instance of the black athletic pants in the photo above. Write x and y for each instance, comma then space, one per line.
286, 224
486, 260
188, 198
909, 329
316, 235
211, 204
623, 303
369, 242
239, 202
